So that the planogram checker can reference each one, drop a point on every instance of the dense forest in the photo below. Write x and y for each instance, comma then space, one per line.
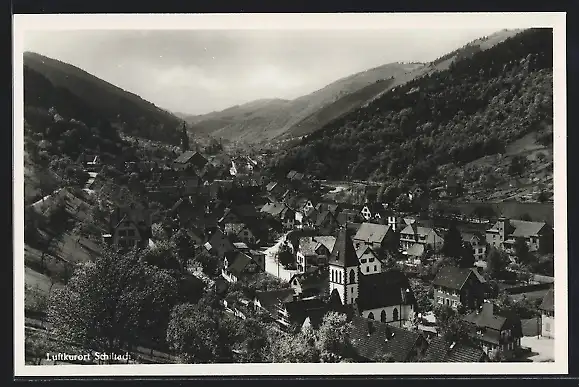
475, 108
74, 93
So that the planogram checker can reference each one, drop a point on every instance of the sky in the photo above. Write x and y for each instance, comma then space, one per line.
199, 71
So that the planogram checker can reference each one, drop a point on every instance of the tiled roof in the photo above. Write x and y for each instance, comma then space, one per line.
372, 233
189, 155
486, 318
307, 246
271, 186
384, 289
452, 277
343, 253
526, 229
443, 351
274, 209
323, 217
548, 303
373, 339
327, 241
269, 298
240, 262
299, 310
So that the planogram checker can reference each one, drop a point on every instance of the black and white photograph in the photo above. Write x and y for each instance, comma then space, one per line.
286, 194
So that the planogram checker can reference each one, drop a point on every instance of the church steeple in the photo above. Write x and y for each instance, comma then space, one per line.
343, 265
184, 138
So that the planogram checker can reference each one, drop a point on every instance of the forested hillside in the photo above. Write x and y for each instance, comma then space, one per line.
264, 120
93, 100
475, 108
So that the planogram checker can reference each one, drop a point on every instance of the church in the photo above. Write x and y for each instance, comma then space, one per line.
385, 296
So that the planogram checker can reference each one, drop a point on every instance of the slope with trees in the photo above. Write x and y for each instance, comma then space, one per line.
475, 108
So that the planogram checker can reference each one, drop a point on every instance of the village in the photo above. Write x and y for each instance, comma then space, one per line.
401, 279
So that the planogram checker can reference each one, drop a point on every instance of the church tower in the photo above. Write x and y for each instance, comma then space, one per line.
344, 268
184, 139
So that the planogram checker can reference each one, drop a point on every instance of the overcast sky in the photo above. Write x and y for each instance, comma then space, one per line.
200, 71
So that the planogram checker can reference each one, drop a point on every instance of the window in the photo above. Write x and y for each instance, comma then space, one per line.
333, 279
352, 276
371, 316
131, 233
340, 277
383, 316
367, 269
395, 314
547, 327
363, 260
375, 268
371, 260
122, 233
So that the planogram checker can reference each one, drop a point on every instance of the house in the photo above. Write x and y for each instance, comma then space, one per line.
257, 256
477, 242
374, 341
288, 309
348, 216
369, 261
186, 210
504, 233
547, 309
313, 282
333, 208
130, 227
493, 331
375, 211
326, 222
219, 244
241, 232
189, 159
384, 294
237, 264
377, 236
426, 236
440, 350
453, 187
313, 251
454, 285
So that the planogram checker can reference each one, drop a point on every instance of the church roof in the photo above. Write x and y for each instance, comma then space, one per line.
388, 288
343, 254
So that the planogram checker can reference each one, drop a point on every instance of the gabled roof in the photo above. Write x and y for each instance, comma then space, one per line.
548, 303
419, 230
191, 156
373, 339
526, 229
372, 233
270, 186
441, 350
452, 277
486, 318
307, 246
343, 254
238, 262
270, 298
299, 310
327, 241
389, 288
323, 217
291, 174
220, 243
274, 209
